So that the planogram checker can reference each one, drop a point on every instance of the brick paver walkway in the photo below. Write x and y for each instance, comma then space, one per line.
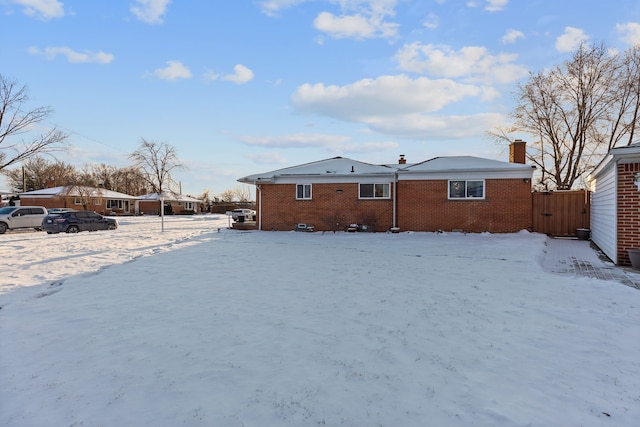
584, 268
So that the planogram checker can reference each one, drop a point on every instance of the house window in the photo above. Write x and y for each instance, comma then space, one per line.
303, 191
188, 206
375, 191
97, 202
466, 189
114, 204
77, 201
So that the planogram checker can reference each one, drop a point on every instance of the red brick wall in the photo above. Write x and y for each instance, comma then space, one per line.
421, 206
62, 202
68, 202
57, 202
424, 206
628, 211
328, 209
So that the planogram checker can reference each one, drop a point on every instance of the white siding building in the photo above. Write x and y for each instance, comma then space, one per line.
615, 203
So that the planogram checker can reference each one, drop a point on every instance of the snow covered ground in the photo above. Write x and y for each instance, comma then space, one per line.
200, 325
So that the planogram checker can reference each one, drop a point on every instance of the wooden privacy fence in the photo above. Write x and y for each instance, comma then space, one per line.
561, 213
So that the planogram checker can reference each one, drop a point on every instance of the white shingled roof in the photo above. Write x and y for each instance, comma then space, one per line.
341, 167
466, 163
337, 166
77, 192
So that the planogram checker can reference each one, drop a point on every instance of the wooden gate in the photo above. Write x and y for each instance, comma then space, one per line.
561, 213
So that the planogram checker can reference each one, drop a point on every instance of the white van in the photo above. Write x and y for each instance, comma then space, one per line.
12, 217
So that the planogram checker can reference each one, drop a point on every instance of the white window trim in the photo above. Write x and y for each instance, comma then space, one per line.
119, 204
484, 189
310, 192
374, 190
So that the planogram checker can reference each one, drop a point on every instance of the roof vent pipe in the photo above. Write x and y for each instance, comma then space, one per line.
352, 170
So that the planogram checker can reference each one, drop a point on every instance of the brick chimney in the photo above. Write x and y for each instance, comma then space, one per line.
518, 151
402, 160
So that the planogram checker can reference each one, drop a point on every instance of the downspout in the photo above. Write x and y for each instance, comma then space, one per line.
395, 188
259, 205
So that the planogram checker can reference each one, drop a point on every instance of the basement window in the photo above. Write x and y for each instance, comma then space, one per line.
461, 189
303, 191
374, 191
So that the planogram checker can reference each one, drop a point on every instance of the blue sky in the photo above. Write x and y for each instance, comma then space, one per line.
247, 86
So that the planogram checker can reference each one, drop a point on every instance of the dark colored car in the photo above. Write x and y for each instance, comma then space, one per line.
60, 210
76, 221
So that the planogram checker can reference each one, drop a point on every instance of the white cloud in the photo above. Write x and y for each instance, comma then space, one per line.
43, 9
267, 158
383, 96
173, 71
571, 39
333, 143
473, 63
240, 75
511, 36
630, 32
150, 11
272, 7
367, 147
400, 106
357, 26
298, 140
496, 5
71, 55
432, 127
359, 19
431, 21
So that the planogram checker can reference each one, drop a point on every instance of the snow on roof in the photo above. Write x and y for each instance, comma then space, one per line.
168, 196
624, 153
77, 191
467, 163
327, 167
342, 166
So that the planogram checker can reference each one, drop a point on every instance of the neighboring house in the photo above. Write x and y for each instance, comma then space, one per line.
100, 200
149, 204
464, 193
615, 203
6, 198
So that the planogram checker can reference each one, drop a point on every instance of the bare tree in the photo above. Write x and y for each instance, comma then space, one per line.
576, 112
155, 161
15, 121
37, 173
227, 196
126, 180
207, 196
242, 193
129, 180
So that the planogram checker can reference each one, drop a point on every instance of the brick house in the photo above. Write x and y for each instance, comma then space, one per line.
149, 204
445, 193
99, 200
615, 203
